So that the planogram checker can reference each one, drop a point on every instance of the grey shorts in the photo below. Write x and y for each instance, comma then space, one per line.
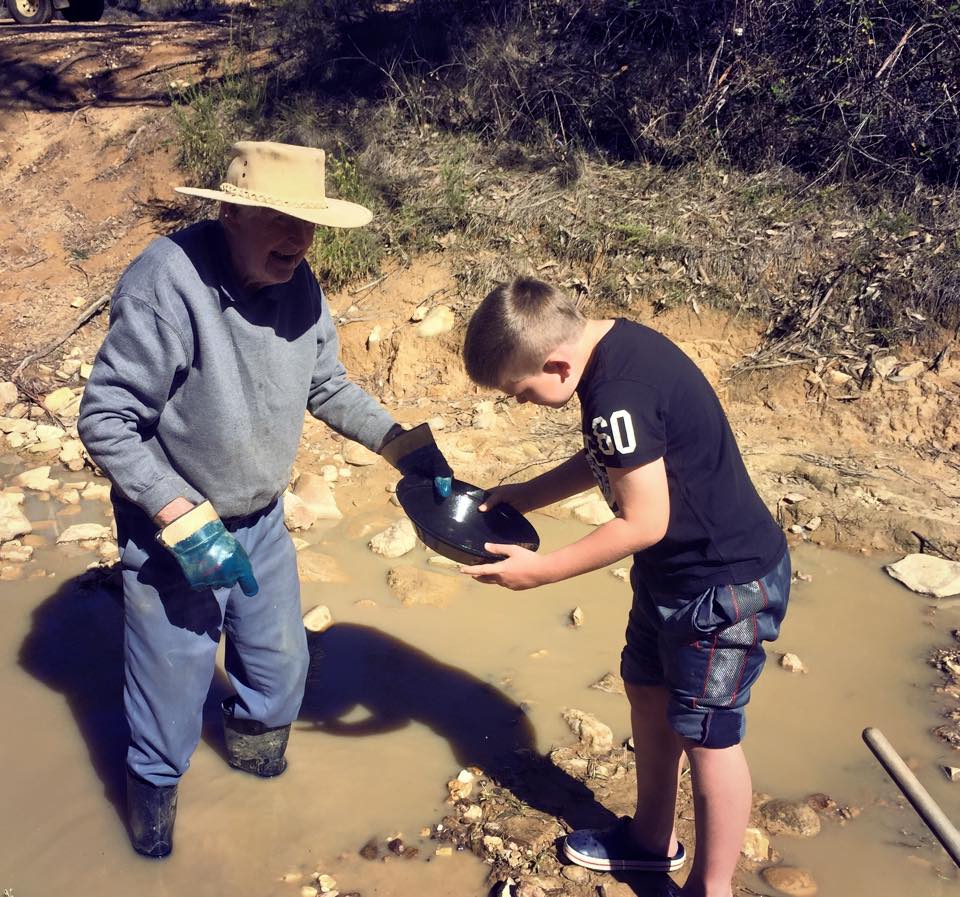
706, 649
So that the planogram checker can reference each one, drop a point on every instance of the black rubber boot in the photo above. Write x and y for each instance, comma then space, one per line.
252, 746
151, 811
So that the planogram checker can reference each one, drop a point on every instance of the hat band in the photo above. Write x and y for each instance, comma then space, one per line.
267, 199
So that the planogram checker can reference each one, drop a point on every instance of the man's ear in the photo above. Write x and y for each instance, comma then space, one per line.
558, 366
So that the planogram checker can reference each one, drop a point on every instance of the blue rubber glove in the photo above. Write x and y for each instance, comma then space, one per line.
208, 555
416, 453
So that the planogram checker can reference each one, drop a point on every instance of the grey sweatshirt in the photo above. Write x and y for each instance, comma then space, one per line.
200, 387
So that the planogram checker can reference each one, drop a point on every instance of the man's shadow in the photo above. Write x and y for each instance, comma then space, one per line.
75, 647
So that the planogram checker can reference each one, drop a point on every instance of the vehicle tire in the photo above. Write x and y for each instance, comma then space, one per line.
31, 12
82, 10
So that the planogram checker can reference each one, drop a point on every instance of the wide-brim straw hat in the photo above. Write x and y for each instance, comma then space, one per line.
286, 178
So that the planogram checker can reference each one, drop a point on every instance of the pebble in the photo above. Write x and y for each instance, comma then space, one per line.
791, 663
318, 619
576, 617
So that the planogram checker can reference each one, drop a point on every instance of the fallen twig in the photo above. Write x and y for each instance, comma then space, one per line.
92, 309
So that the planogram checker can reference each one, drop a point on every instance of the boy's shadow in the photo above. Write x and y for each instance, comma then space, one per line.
354, 666
75, 647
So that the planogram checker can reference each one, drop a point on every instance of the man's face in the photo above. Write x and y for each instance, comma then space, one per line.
265, 246
552, 386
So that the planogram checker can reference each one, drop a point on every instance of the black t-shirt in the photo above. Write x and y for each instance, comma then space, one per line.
643, 399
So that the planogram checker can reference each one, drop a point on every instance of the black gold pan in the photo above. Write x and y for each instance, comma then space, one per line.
456, 527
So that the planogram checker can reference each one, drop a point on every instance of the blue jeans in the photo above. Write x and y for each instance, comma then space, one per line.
706, 649
171, 633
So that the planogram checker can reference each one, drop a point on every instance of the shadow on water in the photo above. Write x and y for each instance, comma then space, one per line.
75, 647
354, 666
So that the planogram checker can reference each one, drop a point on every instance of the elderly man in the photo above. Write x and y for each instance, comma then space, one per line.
220, 337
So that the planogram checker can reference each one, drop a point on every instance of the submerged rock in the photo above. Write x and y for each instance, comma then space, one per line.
38, 479
610, 683
788, 817
316, 567
420, 587
790, 880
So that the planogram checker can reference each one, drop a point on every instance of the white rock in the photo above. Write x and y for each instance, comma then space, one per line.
69, 496
440, 319
593, 734
358, 455
81, 532
315, 492
13, 523
622, 573
17, 425
396, 540
437, 423
330, 473
791, 663
15, 551
438, 560
38, 479
576, 617
756, 845
927, 574
8, 394
374, 337
316, 567
420, 312
484, 415
86, 369
46, 432
297, 514
60, 400
96, 492
884, 366
318, 618
813, 524
594, 512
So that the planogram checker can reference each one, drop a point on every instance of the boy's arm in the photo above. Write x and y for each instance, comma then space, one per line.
644, 500
566, 479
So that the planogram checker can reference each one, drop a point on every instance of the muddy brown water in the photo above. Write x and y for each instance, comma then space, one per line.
399, 699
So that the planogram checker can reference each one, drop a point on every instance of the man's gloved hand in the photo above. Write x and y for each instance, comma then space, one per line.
416, 453
208, 555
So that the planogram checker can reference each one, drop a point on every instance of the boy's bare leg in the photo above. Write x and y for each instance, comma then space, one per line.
722, 794
659, 751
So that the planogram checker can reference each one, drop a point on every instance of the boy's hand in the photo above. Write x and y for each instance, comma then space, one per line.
522, 568
517, 495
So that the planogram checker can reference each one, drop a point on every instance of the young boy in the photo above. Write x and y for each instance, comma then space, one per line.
711, 571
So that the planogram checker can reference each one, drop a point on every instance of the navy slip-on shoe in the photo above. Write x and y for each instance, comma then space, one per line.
612, 849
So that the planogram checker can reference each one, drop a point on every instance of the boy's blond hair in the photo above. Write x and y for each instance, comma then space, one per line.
515, 328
